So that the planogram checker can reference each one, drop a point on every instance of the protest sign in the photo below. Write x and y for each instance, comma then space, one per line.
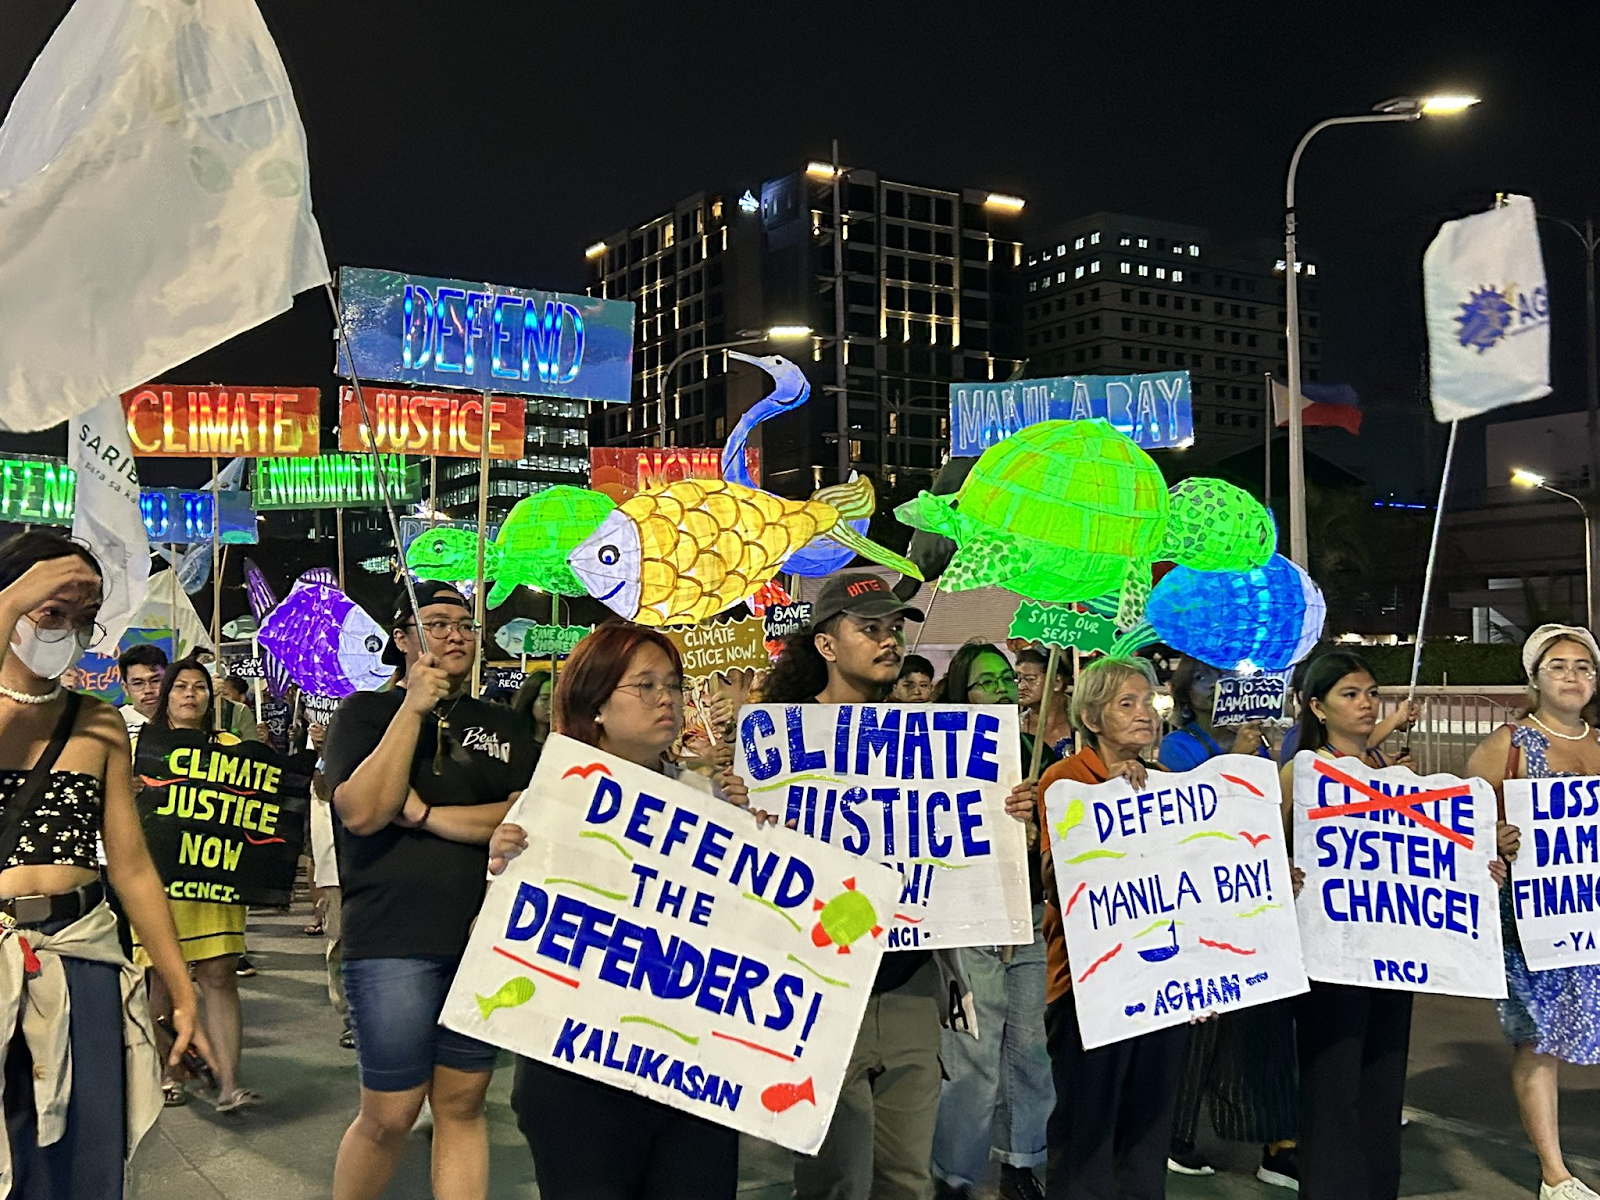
784, 619
245, 666
1397, 891
223, 823
717, 647
1176, 900
318, 709
1063, 627
921, 787
1155, 409
658, 940
97, 674
544, 640
1555, 878
1243, 699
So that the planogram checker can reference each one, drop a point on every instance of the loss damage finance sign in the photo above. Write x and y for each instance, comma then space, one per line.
223, 823
654, 938
1555, 880
921, 787
1397, 891
1176, 901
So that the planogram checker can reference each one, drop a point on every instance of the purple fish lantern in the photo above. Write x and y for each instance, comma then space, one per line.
326, 642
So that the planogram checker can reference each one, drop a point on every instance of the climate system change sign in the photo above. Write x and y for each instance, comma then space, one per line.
1155, 409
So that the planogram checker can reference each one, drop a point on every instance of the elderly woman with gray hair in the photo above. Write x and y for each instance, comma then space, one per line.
1109, 1133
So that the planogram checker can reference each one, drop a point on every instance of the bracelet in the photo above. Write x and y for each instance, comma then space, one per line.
427, 811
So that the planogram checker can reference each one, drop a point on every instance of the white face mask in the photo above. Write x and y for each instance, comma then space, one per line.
49, 656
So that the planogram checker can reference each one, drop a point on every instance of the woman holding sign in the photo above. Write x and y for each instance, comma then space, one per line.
66, 781
1549, 1016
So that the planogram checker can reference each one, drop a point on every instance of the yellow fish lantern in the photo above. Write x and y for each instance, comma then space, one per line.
678, 554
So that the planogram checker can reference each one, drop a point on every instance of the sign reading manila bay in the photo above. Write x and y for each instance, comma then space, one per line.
715, 648
173, 421
452, 333
622, 472
1397, 889
657, 939
1154, 409
223, 823
334, 481
1063, 627
921, 787
448, 424
1246, 699
1177, 901
1555, 879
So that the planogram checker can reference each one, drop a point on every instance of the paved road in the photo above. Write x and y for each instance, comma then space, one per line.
1463, 1142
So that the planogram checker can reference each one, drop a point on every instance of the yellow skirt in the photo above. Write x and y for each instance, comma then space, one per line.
205, 930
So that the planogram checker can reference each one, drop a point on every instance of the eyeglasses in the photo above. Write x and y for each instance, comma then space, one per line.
1004, 681
1577, 670
440, 630
650, 691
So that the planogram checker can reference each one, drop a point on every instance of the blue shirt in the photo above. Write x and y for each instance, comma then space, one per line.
1187, 748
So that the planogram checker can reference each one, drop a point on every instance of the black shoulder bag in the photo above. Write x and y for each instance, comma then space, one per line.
25, 798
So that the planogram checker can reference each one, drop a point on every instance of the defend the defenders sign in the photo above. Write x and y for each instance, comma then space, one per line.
174, 421
1555, 879
1176, 900
921, 787
1153, 409
223, 823
1397, 891
656, 939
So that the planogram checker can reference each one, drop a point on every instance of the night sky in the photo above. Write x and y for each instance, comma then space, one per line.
496, 140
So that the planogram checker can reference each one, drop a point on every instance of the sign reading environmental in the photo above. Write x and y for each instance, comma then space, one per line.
173, 421
1154, 409
422, 330
223, 823
334, 481
622, 472
921, 787
657, 939
1176, 900
1063, 627
715, 648
449, 424
1246, 699
1397, 887
1555, 879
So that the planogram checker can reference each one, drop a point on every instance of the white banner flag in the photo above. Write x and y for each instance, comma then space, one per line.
1488, 312
107, 516
154, 201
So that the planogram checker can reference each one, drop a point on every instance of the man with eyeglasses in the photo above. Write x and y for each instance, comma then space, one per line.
420, 777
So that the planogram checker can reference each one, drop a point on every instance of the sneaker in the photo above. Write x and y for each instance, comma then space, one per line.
1019, 1183
1571, 1188
245, 969
1184, 1159
1280, 1168
347, 1039
943, 1190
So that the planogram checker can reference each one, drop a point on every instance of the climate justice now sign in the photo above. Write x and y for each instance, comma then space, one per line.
171, 421
1155, 409
448, 424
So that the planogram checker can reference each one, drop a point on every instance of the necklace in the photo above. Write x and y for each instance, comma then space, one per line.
443, 736
1534, 717
29, 697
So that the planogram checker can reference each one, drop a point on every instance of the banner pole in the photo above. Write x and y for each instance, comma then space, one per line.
338, 535
1044, 712
172, 598
1266, 477
933, 595
1427, 577
479, 609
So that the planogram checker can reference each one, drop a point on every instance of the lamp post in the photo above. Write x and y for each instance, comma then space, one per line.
1532, 479
1590, 241
1404, 108
747, 337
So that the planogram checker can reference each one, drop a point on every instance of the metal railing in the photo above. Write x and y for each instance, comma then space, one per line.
1454, 721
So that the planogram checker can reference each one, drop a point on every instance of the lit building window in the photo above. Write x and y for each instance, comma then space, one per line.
1126, 241
1161, 272
1094, 239
1144, 243
1094, 267
1194, 251
1177, 277
1061, 276
1078, 245
1062, 248
1126, 267
1311, 268
1077, 272
1143, 270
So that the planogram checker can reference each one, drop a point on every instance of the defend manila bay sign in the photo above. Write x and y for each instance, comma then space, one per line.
223, 823
921, 787
1397, 887
1176, 900
1555, 880
1243, 699
715, 648
656, 939
448, 424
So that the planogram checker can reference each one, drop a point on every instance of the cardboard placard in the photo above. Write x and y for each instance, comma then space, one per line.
1555, 878
1249, 699
1063, 627
717, 647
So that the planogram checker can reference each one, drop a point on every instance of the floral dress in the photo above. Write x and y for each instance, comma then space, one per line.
1556, 1011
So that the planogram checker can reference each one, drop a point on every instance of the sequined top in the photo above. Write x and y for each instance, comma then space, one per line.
61, 829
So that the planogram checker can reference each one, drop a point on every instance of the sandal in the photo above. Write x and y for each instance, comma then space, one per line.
240, 1098
313, 930
173, 1095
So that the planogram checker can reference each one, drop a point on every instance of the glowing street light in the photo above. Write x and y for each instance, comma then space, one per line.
1535, 481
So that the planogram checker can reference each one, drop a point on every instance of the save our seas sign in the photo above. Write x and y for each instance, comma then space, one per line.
920, 787
1064, 627
223, 823
1397, 889
1176, 900
1555, 880
656, 939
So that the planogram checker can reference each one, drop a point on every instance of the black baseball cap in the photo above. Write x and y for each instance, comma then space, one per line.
429, 591
861, 595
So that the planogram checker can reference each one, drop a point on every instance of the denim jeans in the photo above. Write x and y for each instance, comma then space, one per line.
998, 1092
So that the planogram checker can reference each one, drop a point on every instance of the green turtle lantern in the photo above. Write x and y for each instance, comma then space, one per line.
847, 918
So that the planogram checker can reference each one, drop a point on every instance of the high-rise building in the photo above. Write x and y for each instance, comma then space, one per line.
1112, 294
928, 300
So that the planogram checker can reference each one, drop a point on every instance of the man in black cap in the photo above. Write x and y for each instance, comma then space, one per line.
420, 776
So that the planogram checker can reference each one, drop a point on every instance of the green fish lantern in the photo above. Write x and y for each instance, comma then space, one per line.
846, 918
535, 540
514, 991
1067, 511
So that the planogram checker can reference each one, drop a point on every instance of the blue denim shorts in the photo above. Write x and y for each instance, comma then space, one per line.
394, 1008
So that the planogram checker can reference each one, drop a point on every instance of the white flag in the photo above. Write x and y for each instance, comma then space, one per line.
154, 201
1488, 312
106, 514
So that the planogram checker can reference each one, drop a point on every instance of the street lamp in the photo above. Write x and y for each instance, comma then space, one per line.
1402, 108
747, 337
1536, 481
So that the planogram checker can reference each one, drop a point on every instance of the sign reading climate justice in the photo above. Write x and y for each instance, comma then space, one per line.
1397, 891
921, 787
422, 330
223, 823
1154, 409
655, 938
448, 424
172, 421
1176, 900
1555, 880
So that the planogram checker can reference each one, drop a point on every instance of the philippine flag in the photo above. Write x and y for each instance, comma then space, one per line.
1333, 404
